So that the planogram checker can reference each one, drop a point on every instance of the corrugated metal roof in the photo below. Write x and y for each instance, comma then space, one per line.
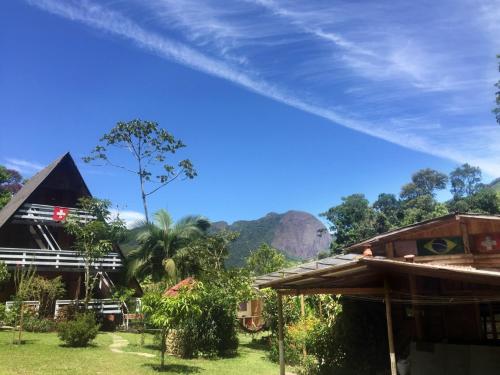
305, 269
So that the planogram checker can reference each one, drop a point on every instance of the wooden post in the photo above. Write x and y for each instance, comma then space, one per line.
415, 308
281, 344
390, 337
465, 236
303, 313
389, 250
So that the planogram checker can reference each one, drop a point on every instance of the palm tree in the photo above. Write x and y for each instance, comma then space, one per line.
158, 242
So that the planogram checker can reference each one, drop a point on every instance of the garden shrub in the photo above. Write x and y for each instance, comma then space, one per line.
2, 313
80, 331
354, 343
308, 366
34, 324
214, 333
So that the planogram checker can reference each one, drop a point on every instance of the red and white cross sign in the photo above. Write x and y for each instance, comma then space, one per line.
60, 213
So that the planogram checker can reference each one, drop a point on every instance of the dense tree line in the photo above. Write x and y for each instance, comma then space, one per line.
356, 219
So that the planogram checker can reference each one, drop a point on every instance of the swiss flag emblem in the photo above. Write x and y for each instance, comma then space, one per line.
60, 213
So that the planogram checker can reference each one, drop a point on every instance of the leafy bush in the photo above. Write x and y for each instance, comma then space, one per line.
350, 344
80, 331
214, 333
308, 366
34, 324
2, 313
46, 291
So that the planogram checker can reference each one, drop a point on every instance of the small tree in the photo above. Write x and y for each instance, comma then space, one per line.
496, 110
46, 291
23, 282
10, 183
206, 254
167, 313
149, 145
93, 238
265, 259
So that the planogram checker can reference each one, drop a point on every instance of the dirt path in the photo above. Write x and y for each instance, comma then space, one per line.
119, 343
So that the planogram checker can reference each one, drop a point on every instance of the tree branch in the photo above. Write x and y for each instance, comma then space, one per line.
164, 184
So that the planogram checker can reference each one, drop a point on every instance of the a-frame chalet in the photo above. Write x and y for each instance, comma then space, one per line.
32, 233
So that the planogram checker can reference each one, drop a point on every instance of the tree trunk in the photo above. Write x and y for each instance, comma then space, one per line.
143, 193
164, 334
87, 287
21, 321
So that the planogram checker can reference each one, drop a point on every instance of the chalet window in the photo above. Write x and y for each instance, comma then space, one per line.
490, 317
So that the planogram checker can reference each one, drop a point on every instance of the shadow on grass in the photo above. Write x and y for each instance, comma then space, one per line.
256, 345
91, 345
175, 368
23, 342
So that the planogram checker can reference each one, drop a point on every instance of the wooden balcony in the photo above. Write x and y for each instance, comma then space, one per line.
30, 213
56, 260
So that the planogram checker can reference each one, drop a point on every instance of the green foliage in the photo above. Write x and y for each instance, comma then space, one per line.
424, 182
10, 183
265, 259
168, 313
46, 291
291, 310
353, 220
349, 344
252, 234
95, 238
158, 243
206, 254
215, 332
35, 324
80, 331
4, 273
3, 314
465, 181
122, 293
150, 146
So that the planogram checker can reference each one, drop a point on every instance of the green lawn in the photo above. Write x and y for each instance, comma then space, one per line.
43, 354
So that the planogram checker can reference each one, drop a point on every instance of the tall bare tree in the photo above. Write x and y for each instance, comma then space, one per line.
149, 146
496, 110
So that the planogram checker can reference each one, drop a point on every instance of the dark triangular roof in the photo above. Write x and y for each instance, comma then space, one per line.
32, 184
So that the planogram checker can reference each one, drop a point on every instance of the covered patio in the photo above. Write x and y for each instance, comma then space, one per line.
445, 308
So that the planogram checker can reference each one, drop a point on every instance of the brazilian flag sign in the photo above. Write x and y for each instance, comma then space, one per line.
440, 246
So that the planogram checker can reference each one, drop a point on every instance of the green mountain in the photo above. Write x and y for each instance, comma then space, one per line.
298, 234
495, 184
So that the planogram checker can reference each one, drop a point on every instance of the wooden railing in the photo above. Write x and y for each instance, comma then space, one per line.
56, 259
101, 306
42, 214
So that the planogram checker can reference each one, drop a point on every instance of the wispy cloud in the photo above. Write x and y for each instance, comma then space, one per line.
131, 218
23, 166
355, 67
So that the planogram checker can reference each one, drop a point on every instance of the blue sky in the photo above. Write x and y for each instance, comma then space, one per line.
283, 105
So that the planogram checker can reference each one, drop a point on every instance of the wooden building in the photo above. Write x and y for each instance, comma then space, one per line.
440, 282
250, 315
32, 234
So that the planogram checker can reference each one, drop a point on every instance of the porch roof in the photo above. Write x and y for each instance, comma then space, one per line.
352, 274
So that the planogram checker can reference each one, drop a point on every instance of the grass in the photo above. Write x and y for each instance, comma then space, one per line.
42, 353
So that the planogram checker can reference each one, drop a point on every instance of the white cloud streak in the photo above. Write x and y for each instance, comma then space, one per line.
23, 166
117, 24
